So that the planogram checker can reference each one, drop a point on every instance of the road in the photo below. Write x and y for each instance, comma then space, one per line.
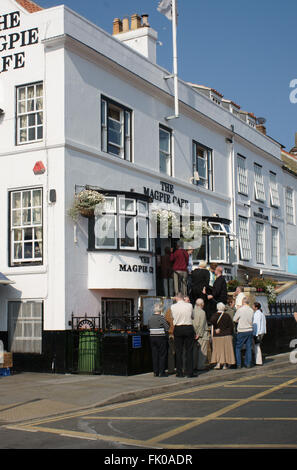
249, 412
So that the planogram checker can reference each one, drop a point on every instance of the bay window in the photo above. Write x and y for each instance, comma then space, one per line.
122, 224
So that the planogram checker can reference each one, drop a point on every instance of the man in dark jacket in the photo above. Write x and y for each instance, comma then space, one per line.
158, 328
180, 260
218, 292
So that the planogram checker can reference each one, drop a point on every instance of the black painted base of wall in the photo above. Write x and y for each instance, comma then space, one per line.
60, 350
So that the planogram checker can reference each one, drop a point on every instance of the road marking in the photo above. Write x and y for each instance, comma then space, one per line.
167, 435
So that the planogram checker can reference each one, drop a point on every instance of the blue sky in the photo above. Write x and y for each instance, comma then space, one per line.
246, 49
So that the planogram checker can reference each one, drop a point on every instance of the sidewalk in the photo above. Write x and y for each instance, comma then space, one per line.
26, 396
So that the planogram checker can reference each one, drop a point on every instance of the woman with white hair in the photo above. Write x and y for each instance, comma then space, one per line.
222, 338
158, 328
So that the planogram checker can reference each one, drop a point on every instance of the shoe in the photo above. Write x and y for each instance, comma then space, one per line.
225, 366
163, 375
156, 375
248, 367
238, 367
190, 376
218, 366
179, 375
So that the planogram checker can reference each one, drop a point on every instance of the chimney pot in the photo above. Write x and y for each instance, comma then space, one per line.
145, 20
135, 21
117, 26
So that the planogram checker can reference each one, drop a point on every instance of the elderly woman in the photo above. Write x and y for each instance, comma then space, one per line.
222, 339
158, 328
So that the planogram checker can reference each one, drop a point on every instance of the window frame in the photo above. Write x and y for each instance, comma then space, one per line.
126, 115
290, 215
208, 159
169, 154
19, 115
259, 184
22, 262
244, 189
119, 214
38, 319
274, 192
262, 253
220, 237
275, 256
244, 243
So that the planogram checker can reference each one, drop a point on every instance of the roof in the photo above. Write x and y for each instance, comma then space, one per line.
4, 280
290, 161
31, 7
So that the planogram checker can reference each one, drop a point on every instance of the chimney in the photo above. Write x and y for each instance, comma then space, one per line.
261, 128
117, 26
294, 149
140, 36
145, 20
135, 22
126, 24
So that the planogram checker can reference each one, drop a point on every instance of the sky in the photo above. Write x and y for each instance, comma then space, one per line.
245, 49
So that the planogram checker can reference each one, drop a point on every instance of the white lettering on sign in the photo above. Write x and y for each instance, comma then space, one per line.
10, 41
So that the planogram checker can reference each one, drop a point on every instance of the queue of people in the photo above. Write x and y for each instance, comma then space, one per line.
205, 320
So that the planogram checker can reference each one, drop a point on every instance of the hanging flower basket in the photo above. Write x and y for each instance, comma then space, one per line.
85, 203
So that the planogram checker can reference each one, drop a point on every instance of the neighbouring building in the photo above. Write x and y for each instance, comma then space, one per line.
85, 109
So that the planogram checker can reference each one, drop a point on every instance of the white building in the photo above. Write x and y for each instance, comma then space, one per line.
85, 109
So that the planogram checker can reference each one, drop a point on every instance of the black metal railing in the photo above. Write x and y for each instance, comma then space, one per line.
283, 308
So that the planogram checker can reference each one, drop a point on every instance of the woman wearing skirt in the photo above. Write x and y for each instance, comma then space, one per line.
222, 339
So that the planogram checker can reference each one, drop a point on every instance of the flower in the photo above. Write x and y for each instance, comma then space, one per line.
85, 203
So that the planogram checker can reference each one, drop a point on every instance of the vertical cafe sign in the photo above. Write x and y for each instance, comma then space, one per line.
11, 41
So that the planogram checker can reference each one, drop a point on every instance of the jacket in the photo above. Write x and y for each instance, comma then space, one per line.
157, 325
180, 260
200, 279
224, 324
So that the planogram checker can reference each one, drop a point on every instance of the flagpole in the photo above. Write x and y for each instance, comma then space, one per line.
175, 68
175, 72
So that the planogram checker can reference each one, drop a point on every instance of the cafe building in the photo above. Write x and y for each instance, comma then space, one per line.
85, 113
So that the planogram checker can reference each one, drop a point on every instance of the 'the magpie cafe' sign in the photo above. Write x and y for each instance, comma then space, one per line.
11, 41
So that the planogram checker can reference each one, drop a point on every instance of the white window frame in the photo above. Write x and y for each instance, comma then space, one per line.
275, 246
105, 218
274, 193
290, 205
242, 175
19, 342
259, 183
260, 243
206, 181
244, 239
220, 230
163, 154
223, 259
30, 108
24, 226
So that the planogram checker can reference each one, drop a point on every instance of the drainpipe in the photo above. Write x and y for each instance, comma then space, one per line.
230, 142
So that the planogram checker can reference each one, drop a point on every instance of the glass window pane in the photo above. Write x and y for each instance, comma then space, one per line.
17, 252
127, 232
31, 133
105, 231
164, 140
28, 252
143, 233
16, 218
31, 120
22, 93
16, 200
217, 248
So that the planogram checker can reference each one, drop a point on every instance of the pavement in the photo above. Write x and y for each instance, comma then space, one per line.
27, 396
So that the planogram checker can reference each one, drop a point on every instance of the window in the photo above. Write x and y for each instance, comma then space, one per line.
116, 129
217, 249
29, 113
274, 194
244, 239
259, 183
260, 243
290, 206
25, 327
26, 235
201, 253
274, 246
123, 224
242, 177
202, 164
165, 151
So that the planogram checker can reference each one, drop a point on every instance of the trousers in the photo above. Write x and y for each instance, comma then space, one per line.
241, 339
159, 347
184, 340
